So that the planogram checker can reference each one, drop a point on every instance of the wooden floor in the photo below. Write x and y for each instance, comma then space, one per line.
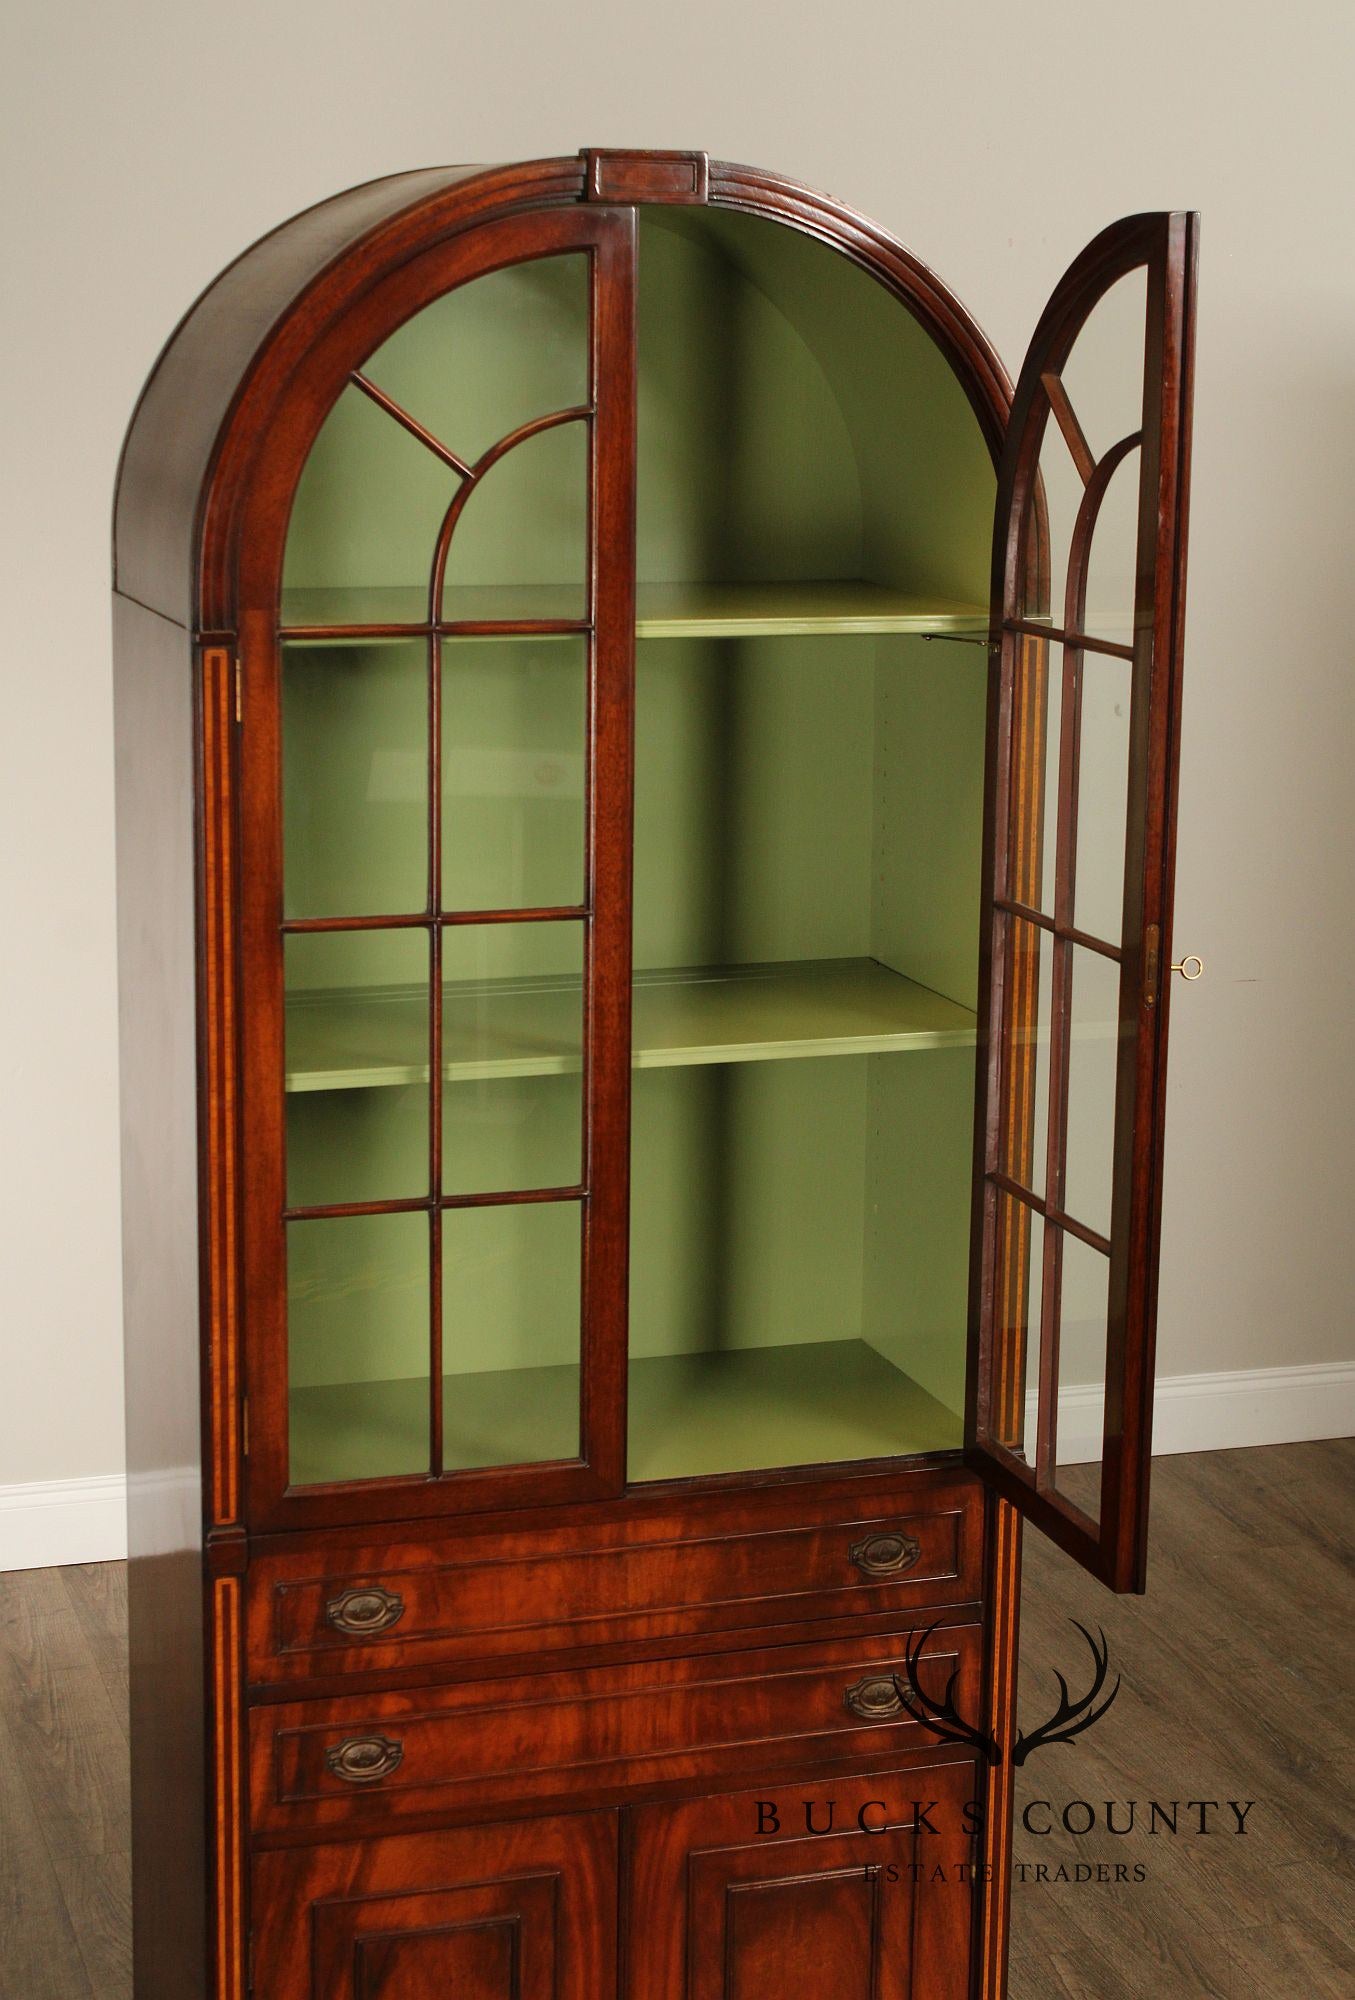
1237, 1684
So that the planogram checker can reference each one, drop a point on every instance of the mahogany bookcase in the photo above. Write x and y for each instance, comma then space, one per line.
645, 780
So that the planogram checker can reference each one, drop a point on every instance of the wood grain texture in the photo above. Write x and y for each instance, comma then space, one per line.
516, 1912
1251, 1563
596, 1736
733, 1912
662, 1574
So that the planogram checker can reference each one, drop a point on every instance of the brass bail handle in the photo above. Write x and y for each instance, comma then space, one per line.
1191, 967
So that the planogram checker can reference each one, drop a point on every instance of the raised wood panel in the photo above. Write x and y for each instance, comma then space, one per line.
518, 1912
739, 1906
595, 1735
745, 1563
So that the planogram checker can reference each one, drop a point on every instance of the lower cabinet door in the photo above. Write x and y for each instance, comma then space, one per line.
520, 1912
783, 1893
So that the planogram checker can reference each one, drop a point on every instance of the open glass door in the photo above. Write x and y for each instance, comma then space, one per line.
1087, 611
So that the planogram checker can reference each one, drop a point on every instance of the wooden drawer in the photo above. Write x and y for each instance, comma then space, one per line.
477, 1748
658, 1573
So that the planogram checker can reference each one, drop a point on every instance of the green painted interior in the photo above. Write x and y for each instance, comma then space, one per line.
814, 496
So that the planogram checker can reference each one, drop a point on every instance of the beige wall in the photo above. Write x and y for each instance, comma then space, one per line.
148, 143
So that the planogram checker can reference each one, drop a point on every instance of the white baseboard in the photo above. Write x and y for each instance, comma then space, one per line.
53, 1521
48, 1522
1224, 1412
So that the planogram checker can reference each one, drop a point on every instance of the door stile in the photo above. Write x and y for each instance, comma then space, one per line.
1170, 357
611, 758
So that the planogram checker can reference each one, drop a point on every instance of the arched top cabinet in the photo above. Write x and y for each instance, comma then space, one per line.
646, 775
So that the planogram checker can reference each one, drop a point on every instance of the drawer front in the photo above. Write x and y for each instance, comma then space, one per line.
752, 1563
595, 1735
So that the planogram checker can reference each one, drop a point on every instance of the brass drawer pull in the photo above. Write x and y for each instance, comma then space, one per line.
361, 1612
885, 1555
361, 1760
876, 1698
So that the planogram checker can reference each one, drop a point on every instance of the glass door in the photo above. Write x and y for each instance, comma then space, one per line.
444, 1315
1088, 600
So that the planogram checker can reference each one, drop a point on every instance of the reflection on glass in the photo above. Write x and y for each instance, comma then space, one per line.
520, 545
1111, 560
1037, 710
492, 354
355, 779
1093, 1061
1083, 1333
512, 1053
358, 1347
1051, 518
511, 1342
1102, 796
1018, 1302
1029, 992
356, 1066
514, 721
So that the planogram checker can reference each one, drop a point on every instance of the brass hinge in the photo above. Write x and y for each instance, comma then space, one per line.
239, 691
244, 1426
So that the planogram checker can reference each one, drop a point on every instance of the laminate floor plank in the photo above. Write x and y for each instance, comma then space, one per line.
39, 1954
56, 1703
1236, 1683
98, 1597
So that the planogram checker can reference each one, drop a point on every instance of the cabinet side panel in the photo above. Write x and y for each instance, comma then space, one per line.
153, 732
189, 390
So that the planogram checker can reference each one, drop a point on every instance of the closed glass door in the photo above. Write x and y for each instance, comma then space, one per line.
451, 664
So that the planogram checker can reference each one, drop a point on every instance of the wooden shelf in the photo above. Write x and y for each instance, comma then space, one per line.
359, 1039
770, 610
737, 1411
663, 610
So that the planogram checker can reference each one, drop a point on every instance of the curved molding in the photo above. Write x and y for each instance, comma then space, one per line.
341, 293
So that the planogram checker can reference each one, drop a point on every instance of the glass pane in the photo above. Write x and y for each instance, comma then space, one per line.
1103, 374
1050, 520
1037, 709
1084, 1323
365, 521
1103, 384
1093, 1059
356, 1066
520, 546
1018, 1297
512, 1050
492, 354
354, 778
1112, 558
511, 1341
1102, 796
358, 1347
1030, 974
514, 722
